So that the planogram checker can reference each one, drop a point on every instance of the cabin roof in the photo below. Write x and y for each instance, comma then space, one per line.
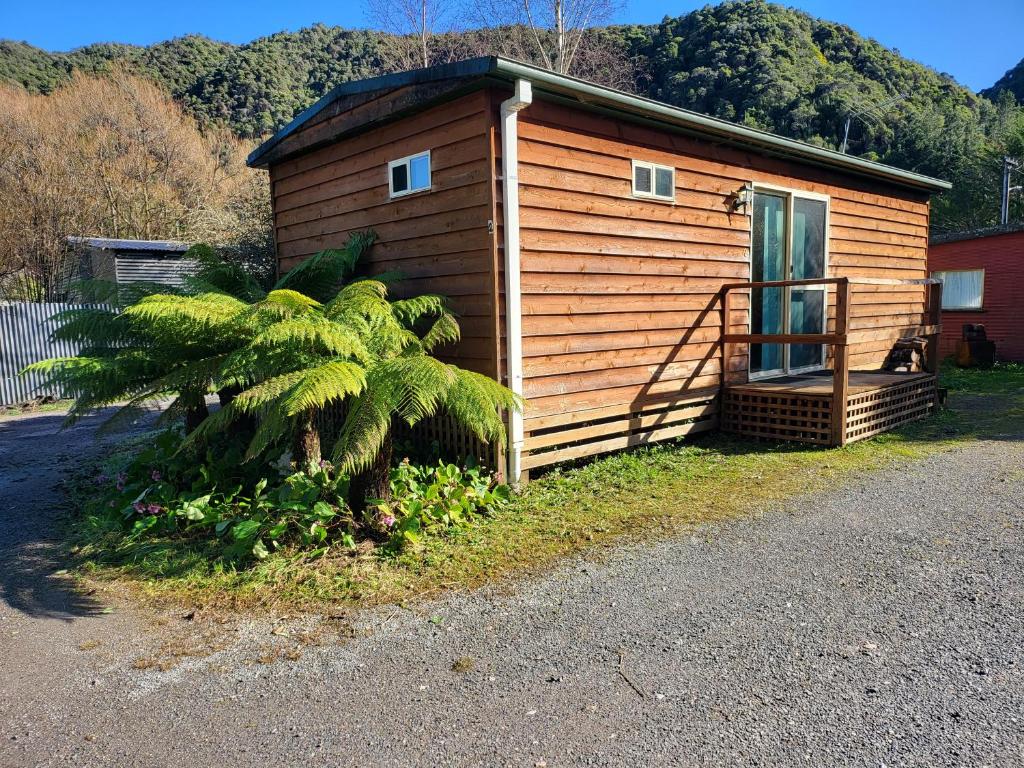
586, 94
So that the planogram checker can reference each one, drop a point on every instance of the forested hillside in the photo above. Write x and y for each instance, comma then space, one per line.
1012, 82
751, 62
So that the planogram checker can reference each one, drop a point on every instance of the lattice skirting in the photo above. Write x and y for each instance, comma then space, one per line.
775, 416
808, 418
869, 413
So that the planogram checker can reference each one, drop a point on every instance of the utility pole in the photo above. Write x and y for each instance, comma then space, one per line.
1009, 166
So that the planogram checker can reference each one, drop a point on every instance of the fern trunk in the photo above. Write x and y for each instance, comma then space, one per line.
306, 443
244, 424
375, 481
195, 413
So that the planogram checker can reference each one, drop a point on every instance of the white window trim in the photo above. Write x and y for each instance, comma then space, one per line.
790, 194
407, 161
653, 167
981, 297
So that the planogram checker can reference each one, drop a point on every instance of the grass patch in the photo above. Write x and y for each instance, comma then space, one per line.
30, 407
630, 496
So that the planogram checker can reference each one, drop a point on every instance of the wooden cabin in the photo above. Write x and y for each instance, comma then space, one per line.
637, 271
982, 272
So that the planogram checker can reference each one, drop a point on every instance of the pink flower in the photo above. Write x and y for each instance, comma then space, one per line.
154, 509
388, 521
139, 507
155, 474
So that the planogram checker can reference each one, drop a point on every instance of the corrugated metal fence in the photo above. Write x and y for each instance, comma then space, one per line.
25, 330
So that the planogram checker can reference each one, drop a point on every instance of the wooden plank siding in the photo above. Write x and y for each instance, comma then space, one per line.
1001, 256
621, 314
440, 240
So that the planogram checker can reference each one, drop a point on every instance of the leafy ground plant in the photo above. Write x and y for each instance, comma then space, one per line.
629, 496
243, 513
427, 499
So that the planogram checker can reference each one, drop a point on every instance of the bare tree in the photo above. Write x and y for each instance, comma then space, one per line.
112, 156
418, 33
560, 35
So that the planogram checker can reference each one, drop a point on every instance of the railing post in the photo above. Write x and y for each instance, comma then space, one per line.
933, 308
841, 364
726, 346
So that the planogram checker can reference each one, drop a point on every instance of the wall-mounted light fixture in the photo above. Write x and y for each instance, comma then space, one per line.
743, 197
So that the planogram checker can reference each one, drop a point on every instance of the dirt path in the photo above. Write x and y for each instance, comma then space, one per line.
880, 624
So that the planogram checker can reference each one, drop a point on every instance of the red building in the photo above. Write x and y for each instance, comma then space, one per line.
982, 273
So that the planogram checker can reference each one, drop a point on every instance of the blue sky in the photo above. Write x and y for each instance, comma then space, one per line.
975, 41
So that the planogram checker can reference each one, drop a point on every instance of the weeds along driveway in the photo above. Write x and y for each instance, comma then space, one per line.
877, 624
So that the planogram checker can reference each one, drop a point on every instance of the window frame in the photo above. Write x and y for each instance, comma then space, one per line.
981, 295
407, 162
653, 167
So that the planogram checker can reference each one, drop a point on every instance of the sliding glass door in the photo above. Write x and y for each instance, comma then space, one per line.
788, 243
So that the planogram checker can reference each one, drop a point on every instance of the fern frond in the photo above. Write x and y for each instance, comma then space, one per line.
266, 392
316, 333
93, 325
272, 428
366, 426
286, 303
445, 330
212, 425
128, 414
420, 383
409, 311
323, 385
321, 275
205, 309
475, 401
226, 277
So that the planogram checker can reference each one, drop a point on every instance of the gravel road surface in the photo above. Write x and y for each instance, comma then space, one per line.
880, 624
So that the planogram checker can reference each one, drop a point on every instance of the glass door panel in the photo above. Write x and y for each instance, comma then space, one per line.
788, 243
807, 304
767, 305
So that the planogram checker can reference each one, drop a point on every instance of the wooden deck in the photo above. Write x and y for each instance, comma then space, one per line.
823, 382
802, 407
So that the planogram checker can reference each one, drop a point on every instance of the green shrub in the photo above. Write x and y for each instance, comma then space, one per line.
427, 499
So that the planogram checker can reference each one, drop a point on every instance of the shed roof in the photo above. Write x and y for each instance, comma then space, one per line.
547, 83
118, 244
974, 234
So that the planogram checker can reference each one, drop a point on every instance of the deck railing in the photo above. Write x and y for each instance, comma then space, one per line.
841, 338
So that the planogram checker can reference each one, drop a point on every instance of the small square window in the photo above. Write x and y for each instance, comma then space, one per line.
664, 181
419, 172
408, 175
654, 181
399, 179
642, 180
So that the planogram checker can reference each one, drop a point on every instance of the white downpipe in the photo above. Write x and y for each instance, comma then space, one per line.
510, 109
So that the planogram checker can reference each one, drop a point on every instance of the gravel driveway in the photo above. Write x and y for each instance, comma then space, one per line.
878, 625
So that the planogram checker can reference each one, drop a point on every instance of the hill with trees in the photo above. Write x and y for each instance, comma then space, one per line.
1012, 82
751, 62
